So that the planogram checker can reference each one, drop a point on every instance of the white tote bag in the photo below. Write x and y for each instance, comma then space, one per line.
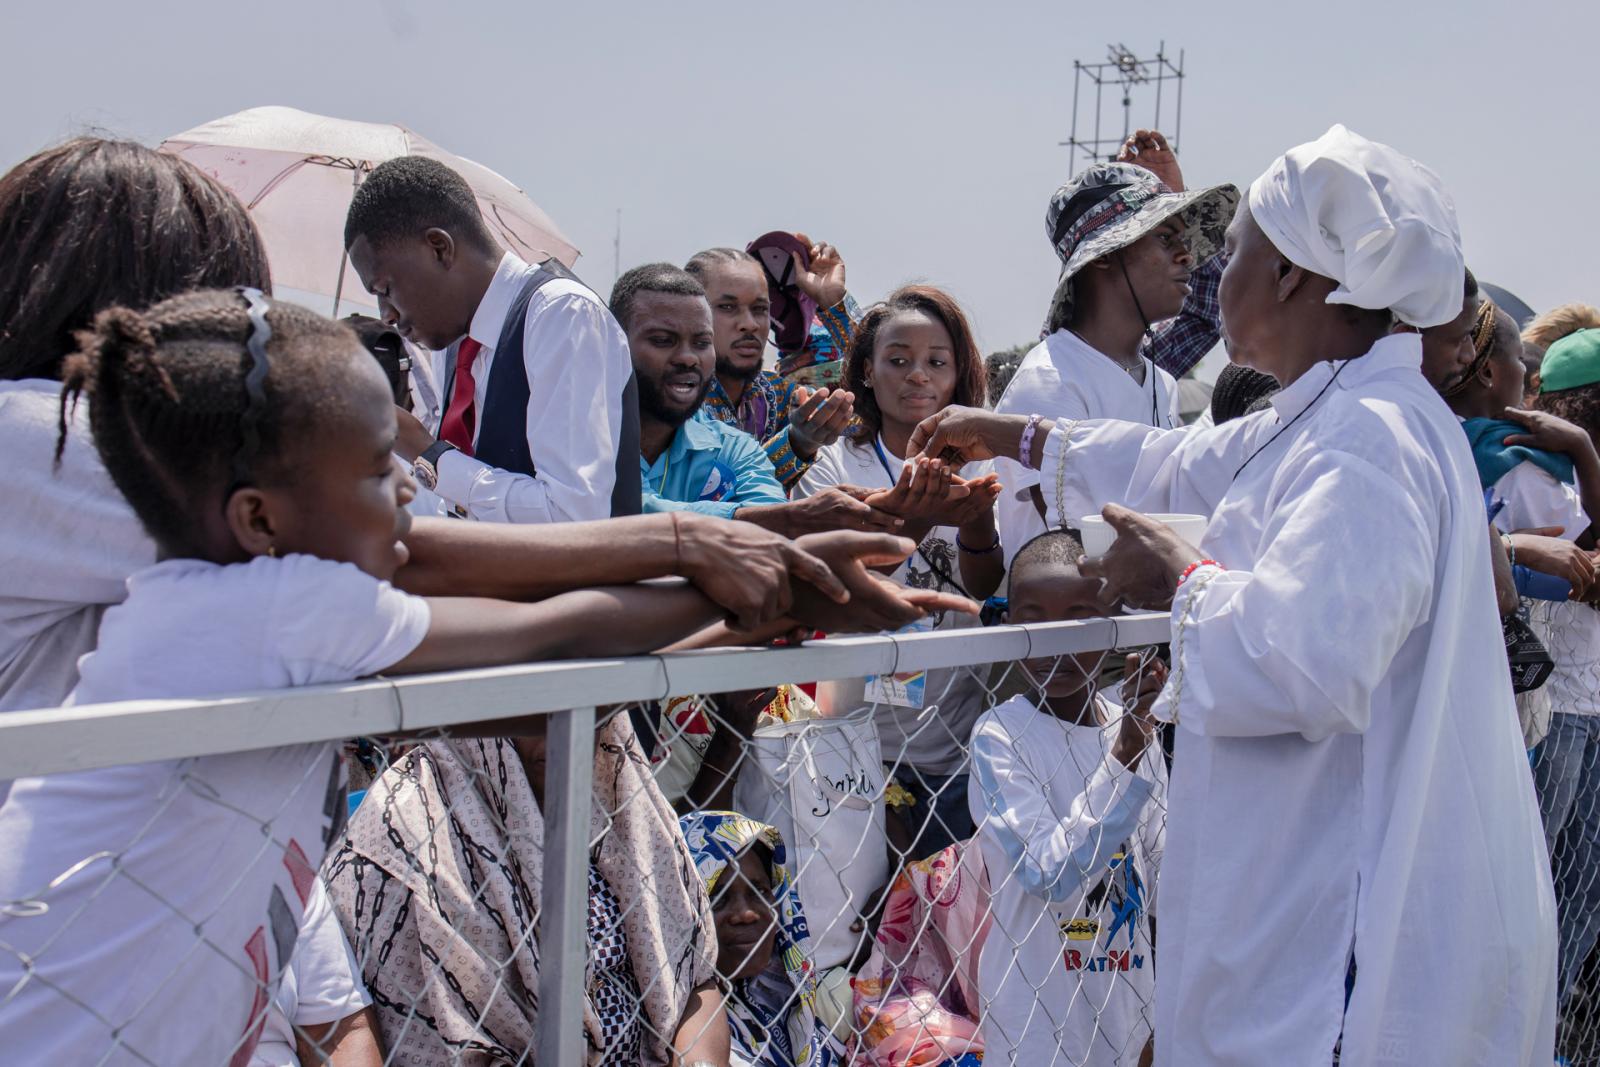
820, 782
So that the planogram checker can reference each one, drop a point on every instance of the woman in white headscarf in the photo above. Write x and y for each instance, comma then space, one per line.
1349, 794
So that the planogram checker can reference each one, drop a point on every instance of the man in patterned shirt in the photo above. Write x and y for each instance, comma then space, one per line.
790, 420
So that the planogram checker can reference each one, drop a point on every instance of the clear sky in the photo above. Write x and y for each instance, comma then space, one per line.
919, 138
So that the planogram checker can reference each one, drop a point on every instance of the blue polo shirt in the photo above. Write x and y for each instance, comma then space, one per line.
712, 468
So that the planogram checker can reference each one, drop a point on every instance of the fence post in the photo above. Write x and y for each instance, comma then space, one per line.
564, 899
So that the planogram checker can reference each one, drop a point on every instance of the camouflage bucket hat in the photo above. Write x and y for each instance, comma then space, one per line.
1111, 205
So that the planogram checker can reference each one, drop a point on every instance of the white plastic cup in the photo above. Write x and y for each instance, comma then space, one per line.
1099, 534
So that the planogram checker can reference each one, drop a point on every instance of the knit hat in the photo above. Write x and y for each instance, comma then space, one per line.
1111, 205
1572, 362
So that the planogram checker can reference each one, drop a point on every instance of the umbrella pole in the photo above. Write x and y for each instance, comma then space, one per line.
338, 285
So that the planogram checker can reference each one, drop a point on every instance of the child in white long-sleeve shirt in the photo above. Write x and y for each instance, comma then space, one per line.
1067, 792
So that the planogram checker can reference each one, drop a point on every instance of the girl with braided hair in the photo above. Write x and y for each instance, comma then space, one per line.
272, 571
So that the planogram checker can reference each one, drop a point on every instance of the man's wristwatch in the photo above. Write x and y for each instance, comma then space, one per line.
426, 468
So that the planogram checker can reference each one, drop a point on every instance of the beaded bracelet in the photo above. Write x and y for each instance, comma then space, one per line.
963, 546
1196, 565
1025, 449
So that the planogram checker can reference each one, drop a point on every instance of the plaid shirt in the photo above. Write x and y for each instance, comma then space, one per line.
1179, 343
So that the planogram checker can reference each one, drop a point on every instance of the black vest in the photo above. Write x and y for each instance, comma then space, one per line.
503, 420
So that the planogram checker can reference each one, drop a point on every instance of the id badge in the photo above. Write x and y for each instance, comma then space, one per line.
902, 690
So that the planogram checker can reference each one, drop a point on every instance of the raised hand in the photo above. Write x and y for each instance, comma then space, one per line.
818, 417
925, 489
1144, 563
823, 280
1149, 149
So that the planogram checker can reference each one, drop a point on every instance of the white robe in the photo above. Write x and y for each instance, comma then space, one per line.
1349, 774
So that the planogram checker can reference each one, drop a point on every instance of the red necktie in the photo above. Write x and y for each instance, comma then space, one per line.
460, 419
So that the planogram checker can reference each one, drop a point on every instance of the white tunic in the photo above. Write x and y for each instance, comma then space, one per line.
1349, 776
1062, 377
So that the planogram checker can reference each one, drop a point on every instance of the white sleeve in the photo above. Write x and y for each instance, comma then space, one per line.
1088, 465
328, 984
578, 367
1057, 834
1534, 499
1255, 657
68, 538
825, 471
333, 622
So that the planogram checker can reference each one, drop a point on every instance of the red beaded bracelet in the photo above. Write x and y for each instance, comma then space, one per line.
1196, 565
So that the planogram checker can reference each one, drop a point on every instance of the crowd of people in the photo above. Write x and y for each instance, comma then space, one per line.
1347, 779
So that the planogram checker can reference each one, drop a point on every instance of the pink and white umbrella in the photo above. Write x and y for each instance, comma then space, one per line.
296, 172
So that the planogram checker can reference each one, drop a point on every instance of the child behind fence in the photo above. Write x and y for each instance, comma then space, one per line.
254, 441
1068, 793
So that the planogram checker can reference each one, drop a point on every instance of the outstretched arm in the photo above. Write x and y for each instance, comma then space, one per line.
609, 621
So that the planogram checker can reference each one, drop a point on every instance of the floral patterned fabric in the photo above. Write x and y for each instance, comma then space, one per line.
916, 998
772, 1016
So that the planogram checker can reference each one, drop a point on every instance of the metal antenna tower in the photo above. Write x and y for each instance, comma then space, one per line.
1122, 71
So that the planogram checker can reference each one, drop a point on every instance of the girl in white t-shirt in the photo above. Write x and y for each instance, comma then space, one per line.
154, 907
912, 356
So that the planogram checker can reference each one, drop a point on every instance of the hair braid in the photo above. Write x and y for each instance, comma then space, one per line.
167, 399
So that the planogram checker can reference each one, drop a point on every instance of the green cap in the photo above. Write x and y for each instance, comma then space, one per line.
1571, 362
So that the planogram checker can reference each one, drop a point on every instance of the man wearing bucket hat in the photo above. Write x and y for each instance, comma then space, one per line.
1350, 797
1129, 245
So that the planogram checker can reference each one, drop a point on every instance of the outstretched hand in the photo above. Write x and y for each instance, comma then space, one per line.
924, 490
749, 572
818, 417
876, 603
961, 434
1144, 563
1149, 149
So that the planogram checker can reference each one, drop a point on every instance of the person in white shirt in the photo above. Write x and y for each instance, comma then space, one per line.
539, 421
913, 355
1338, 676
322, 1010
1128, 241
1067, 792
159, 893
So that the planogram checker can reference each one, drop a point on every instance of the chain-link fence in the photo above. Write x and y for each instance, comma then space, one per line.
924, 848
1565, 715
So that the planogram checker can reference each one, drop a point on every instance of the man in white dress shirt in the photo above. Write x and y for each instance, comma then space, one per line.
539, 409
1349, 791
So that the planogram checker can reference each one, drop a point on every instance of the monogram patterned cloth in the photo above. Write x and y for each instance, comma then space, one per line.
437, 886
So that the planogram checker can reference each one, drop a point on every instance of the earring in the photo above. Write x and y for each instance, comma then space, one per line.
272, 551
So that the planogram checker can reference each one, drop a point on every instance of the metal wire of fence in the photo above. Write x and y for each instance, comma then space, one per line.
874, 850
